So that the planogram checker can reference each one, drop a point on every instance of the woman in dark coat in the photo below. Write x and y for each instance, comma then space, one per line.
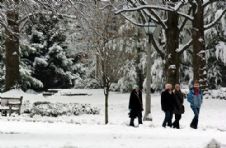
167, 104
178, 107
135, 105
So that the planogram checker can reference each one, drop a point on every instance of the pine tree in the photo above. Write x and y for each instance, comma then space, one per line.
48, 56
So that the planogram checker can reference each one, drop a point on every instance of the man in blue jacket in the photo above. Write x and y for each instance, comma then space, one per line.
195, 97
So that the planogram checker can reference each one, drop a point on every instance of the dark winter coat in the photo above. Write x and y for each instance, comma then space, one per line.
135, 104
179, 100
167, 101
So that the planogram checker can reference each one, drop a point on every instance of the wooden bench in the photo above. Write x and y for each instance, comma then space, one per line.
10, 105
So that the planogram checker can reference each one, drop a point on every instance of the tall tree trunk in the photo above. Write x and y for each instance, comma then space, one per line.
106, 86
106, 93
147, 114
12, 49
139, 71
199, 60
97, 70
172, 65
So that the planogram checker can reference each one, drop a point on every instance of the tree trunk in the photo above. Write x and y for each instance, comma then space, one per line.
139, 71
199, 60
12, 49
97, 70
147, 114
106, 93
172, 64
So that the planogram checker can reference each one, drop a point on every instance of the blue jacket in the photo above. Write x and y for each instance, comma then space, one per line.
195, 101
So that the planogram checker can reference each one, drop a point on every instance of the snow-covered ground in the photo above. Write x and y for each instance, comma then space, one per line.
89, 131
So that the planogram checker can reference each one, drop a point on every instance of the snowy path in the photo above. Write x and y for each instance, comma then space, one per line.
24, 134
88, 131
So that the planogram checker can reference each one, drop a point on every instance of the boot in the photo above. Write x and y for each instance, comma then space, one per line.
140, 121
131, 122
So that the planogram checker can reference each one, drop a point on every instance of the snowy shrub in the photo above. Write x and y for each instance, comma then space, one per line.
220, 52
157, 74
40, 62
85, 73
128, 79
26, 107
217, 94
114, 87
26, 79
59, 109
92, 84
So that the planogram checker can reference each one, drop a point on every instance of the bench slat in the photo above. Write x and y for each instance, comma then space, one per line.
4, 107
15, 108
14, 102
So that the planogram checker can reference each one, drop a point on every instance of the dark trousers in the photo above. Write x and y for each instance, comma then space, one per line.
176, 123
194, 122
168, 119
139, 115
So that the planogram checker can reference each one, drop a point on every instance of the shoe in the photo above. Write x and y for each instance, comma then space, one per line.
170, 125
192, 126
131, 124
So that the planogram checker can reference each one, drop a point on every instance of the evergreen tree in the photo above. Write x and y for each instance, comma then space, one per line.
45, 54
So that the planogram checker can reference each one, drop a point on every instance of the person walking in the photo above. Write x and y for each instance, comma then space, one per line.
167, 105
178, 107
135, 105
195, 98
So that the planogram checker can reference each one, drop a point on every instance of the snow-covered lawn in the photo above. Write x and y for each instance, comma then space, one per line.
89, 131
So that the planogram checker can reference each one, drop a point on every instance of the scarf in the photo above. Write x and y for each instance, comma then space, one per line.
196, 91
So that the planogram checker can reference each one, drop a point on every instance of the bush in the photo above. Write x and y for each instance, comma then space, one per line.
59, 109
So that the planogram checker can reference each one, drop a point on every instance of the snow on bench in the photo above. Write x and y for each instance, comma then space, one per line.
10, 105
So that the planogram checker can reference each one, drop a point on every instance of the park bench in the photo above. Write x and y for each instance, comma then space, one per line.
10, 105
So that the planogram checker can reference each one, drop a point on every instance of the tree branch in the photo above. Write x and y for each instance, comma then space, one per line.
161, 53
133, 22
185, 20
211, 1
208, 26
153, 13
149, 7
185, 47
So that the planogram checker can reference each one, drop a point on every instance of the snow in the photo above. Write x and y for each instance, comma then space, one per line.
40, 61
172, 67
14, 53
201, 40
221, 52
13, 93
87, 131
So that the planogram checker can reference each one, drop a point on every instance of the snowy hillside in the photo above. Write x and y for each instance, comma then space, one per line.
89, 131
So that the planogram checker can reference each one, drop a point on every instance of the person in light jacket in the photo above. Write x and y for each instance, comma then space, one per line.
195, 98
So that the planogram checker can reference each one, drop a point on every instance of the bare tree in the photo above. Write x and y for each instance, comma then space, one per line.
106, 39
174, 9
